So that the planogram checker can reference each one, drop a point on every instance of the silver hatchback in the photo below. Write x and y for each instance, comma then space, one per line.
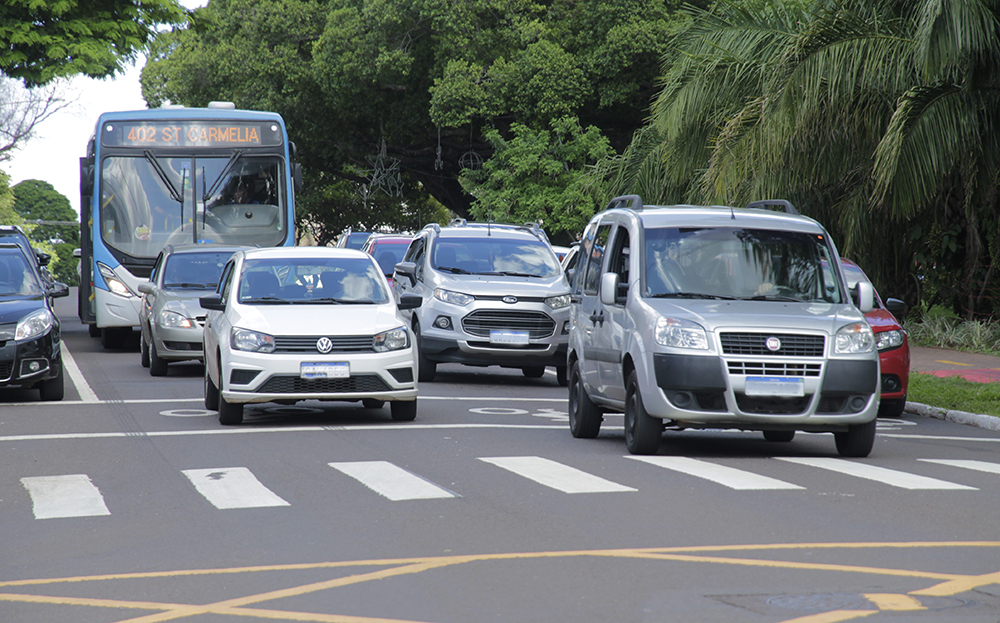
170, 316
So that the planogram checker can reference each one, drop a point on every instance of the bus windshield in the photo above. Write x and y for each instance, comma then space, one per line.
149, 201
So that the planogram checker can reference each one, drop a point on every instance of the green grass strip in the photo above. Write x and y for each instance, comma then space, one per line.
954, 393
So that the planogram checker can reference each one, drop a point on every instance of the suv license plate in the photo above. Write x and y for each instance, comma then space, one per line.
774, 386
340, 370
508, 337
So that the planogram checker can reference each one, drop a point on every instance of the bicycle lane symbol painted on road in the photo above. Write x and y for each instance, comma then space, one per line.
556, 415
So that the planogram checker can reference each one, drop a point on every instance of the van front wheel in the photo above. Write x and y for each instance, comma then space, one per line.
642, 431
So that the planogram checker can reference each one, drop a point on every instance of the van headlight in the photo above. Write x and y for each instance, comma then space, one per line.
854, 338
173, 320
116, 285
35, 324
393, 339
250, 341
678, 333
455, 298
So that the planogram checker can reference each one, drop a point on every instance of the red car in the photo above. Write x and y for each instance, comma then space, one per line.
388, 250
891, 341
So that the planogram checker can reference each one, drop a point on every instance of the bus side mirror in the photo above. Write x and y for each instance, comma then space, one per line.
86, 177
297, 176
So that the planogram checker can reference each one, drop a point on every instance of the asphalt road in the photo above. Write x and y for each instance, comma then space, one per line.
129, 502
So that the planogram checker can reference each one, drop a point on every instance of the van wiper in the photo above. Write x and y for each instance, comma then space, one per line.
692, 295
773, 297
510, 273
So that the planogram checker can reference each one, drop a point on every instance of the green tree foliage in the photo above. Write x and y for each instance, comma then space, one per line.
46, 39
8, 216
877, 117
37, 200
369, 87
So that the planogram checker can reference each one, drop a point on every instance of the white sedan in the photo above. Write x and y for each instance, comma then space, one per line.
307, 323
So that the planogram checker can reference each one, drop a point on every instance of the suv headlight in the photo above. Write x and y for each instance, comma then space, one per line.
393, 339
455, 298
680, 333
174, 320
558, 302
35, 324
115, 284
854, 338
250, 341
888, 339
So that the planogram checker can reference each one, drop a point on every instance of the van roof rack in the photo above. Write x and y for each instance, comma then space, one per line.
633, 202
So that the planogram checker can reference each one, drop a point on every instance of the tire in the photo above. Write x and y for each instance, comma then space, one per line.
642, 431
892, 408
157, 366
229, 414
211, 393
143, 352
584, 416
857, 441
561, 376
93, 330
371, 403
403, 411
782, 436
533, 372
426, 369
53, 389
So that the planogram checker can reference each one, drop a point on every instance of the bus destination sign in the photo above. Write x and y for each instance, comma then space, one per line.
153, 134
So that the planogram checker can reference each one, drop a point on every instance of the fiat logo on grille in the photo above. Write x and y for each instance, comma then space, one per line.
510, 299
773, 344
324, 345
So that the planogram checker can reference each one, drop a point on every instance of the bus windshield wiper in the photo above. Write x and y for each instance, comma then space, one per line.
176, 196
692, 295
218, 181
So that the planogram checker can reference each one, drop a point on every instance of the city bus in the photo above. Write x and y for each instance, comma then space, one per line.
176, 176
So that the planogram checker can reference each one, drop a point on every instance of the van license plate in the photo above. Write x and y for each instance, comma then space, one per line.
335, 370
774, 386
508, 337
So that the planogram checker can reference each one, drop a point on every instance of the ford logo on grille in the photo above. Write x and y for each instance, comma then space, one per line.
510, 299
773, 344
324, 345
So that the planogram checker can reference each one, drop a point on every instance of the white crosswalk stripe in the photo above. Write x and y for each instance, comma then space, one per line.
71, 495
884, 475
979, 466
555, 475
232, 487
392, 481
728, 476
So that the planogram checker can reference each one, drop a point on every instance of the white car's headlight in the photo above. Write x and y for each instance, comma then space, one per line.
251, 341
680, 333
174, 320
558, 302
854, 338
35, 324
888, 339
394, 339
455, 298
115, 284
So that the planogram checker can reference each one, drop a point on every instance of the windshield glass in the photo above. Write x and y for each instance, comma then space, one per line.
732, 262
16, 276
387, 254
312, 280
199, 271
150, 201
495, 256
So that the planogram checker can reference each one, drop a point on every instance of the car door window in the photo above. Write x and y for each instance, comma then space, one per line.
618, 263
594, 258
156, 268
226, 282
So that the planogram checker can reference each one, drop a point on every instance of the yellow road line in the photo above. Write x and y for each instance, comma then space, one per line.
954, 363
893, 601
959, 585
833, 616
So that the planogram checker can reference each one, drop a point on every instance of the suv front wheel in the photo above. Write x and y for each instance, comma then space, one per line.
426, 369
642, 431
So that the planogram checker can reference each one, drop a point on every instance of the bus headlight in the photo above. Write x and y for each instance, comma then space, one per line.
35, 324
115, 285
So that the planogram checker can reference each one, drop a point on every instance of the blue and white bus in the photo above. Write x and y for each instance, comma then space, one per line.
176, 176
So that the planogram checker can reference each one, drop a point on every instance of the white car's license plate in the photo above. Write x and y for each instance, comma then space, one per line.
336, 370
508, 337
774, 386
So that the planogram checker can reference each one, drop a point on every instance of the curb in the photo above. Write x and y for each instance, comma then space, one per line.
988, 422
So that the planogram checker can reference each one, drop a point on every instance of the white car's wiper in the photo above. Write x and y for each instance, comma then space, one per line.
272, 300
325, 300
692, 295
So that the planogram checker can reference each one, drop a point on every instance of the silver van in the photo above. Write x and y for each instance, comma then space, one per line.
717, 317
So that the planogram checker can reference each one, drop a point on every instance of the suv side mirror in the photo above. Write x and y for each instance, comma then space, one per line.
864, 296
410, 301
59, 290
147, 287
609, 288
212, 302
409, 269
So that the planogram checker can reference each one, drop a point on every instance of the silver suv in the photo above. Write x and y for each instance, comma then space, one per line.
715, 317
492, 295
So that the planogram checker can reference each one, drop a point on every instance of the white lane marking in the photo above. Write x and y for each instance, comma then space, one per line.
73, 495
232, 487
138, 401
555, 475
727, 476
891, 477
941, 437
87, 395
979, 466
391, 481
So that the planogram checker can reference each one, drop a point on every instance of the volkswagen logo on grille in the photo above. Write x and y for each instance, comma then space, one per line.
324, 345
510, 300
773, 344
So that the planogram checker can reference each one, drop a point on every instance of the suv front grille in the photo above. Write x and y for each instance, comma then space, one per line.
291, 384
761, 368
480, 322
307, 343
792, 345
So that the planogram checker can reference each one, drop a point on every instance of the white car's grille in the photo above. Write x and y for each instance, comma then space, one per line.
307, 344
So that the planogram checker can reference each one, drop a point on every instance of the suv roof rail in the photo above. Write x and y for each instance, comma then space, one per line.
765, 204
458, 222
433, 226
626, 201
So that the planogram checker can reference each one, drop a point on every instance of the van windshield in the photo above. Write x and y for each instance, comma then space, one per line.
739, 263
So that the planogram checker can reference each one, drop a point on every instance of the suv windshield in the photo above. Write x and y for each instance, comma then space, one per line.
200, 271
738, 263
16, 276
495, 256
277, 281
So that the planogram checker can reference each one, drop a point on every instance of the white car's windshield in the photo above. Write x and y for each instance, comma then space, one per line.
275, 281
738, 263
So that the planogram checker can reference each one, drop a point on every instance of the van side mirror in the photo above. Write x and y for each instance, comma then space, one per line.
864, 296
609, 288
